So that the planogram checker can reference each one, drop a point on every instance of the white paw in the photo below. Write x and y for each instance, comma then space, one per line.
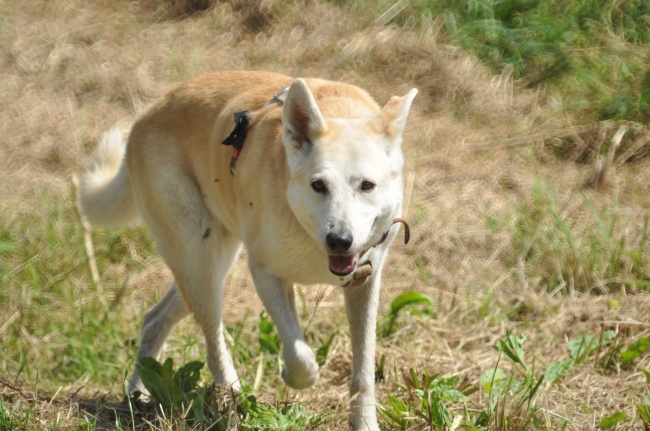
300, 370
225, 374
231, 381
136, 385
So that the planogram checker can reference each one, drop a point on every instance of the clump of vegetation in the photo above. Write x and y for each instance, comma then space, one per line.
511, 397
599, 254
182, 401
593, 55
68, 334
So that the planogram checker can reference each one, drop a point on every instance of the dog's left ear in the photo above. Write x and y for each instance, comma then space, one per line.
392, 117
301, 118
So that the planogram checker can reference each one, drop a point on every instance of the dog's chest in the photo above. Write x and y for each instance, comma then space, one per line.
295, 259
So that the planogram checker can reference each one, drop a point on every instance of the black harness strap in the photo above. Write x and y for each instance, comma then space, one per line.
242, 120
237, 137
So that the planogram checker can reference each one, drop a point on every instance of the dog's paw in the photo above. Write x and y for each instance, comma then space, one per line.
224, 373
301, 369
231, 382
136, 385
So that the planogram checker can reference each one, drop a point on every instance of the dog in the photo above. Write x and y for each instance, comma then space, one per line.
310, 185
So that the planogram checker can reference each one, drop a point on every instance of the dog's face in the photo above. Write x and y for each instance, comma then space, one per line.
346, 174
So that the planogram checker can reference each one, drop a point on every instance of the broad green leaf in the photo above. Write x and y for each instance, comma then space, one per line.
440, 414
453, 395
408, 298
583, 346
187, 377
268, 337
405, 299
152, 374
445, 382
556, 370
490, 377
322, 351
635, 350
483, 419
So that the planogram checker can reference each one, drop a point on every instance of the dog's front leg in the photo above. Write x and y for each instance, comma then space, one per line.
361, 306
300, 370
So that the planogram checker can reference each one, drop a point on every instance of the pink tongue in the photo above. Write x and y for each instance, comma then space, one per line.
343, 265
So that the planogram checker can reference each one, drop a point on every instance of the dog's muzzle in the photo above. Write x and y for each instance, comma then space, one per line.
364, 270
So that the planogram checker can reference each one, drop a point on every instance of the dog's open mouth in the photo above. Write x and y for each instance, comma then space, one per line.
343, 265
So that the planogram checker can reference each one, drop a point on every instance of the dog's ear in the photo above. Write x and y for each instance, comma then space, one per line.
392, 117
301, 117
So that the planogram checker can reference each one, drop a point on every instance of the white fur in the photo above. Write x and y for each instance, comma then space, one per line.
200, 224
106, 195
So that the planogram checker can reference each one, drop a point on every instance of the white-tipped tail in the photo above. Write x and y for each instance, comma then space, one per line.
105, 193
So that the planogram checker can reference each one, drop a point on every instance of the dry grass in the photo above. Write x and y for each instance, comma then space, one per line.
70, 70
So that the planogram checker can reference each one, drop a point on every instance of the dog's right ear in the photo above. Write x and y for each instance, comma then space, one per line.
301, 117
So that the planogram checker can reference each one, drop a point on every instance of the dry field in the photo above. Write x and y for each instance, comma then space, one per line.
506, 237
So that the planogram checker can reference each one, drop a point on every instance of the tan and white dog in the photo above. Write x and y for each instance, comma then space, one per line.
313, 193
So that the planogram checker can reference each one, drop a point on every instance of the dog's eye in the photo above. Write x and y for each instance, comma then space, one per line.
366, 186
319, 186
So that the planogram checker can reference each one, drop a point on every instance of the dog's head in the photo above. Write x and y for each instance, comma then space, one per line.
346, 171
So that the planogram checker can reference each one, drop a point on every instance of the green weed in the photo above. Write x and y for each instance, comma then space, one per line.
428, 396
12, 420
269, 338
182, 400
406, 300
580, 349
643, 409
512, 398
612, 420
290, 417
635, 350
44, 272
176, 391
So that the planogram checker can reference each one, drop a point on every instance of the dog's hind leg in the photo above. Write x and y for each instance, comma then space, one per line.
158, 323
203, 293
198, 249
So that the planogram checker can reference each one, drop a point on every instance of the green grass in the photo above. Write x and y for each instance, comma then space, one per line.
63, 333
593, 54
45, 272
511, 396
45, 275
570, 246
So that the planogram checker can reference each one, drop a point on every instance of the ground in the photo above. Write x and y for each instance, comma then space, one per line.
506, 239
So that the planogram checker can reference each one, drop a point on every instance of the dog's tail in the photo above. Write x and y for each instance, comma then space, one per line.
105, 192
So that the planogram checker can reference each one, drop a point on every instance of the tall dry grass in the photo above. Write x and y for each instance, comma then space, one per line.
70, 70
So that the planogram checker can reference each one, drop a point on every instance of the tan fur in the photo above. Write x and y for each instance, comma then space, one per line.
177, 174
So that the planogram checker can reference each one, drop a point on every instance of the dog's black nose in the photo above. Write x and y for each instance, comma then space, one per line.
339, 242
